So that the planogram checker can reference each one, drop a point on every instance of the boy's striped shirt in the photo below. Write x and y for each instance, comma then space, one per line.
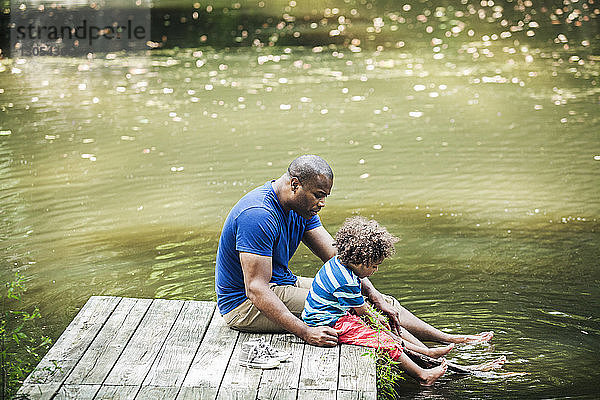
334, 291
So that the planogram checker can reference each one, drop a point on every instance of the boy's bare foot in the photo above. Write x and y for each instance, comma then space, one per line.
437, 352
431, 375
490, 365
479, 338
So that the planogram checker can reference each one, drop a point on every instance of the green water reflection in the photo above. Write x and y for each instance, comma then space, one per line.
117, 174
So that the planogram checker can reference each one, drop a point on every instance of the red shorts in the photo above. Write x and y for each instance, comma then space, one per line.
352, 330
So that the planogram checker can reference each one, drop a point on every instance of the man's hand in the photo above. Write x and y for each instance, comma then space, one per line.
392, 314
323, 336
382, 321
379, 302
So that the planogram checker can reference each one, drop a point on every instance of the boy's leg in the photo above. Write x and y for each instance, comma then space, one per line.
352, 330
426, 377
434, 352
247, 318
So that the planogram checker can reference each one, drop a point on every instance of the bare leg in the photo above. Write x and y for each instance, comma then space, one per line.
424, 331
426, 377
419, 347
409, 337
479, 338
488, 366
420, 328
435, 352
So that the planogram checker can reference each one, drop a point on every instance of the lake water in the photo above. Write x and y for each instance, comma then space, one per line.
118, 172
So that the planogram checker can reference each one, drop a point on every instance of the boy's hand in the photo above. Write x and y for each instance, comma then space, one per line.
322, 336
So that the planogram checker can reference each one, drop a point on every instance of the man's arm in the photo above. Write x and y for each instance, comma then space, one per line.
379, 302
378, 321
257, 274
320, 242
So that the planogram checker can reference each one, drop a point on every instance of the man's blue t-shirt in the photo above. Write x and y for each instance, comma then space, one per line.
257, 224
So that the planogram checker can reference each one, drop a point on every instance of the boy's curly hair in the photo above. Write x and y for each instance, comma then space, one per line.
363, 241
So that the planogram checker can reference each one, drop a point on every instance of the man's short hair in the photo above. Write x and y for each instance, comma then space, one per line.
309, 166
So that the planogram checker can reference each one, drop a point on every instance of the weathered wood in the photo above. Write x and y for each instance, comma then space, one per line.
267, 393
106, 348
355, 373
282, 382
68, 392
134, 363
70, 346
353, 395
175, 357
117, 392
196, 393
214, 351
240, 382
43, 391
319, 368
313, 394
157, 393
165, 349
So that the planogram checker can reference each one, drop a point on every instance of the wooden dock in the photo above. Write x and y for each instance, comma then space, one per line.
124, 348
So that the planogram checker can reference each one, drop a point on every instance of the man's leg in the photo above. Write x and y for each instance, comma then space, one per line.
415, 327
247, 318
418, 328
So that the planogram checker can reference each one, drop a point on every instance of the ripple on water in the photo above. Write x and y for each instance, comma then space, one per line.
475, 254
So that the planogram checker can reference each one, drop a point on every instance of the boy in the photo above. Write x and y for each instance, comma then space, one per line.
335, 297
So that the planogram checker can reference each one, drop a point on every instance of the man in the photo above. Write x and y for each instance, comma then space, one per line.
257, 292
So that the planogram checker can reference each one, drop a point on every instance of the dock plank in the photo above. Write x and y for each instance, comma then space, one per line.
156, 393
68, 392
282, 382
140, 353
355, 374
107, 392
320, 368
348, 395
195, 393
176, 355
42, 391
100, 357
313, 394
124, 349
267, 393
215, 350
240, 382
60, 360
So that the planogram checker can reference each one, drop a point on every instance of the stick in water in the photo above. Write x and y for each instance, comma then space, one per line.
487, 366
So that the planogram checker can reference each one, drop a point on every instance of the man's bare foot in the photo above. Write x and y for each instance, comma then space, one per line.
488, 366
479, 338
431, 375
437, 352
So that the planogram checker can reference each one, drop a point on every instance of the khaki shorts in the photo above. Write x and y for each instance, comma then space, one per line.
246, 317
